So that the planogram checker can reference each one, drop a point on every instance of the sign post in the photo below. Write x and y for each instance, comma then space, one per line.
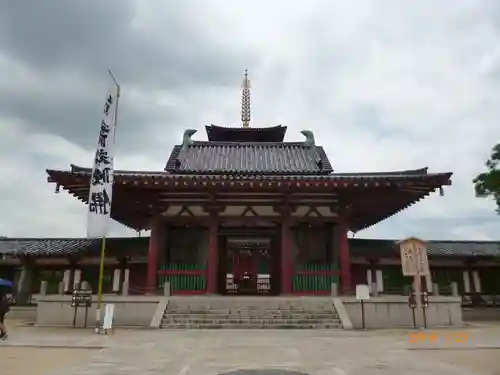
362, 295
415, 263
425, 304
81, 298
412, 304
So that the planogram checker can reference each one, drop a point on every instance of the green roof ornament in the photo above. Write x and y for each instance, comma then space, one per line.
186, 138
309, 141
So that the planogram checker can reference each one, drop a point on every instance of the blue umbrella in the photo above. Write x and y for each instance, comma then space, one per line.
6, 283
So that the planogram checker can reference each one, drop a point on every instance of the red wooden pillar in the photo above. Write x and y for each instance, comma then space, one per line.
286, 258
344, 258
153, 250
212, 254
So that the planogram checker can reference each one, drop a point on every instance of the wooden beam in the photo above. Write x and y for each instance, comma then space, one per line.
184, 201
257, 194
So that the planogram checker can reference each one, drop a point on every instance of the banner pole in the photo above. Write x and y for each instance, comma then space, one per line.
103, 240
99, 287
117, 101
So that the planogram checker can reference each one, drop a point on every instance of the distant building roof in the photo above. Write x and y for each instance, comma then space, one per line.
42, 247
249, 159
387, 248
226, 134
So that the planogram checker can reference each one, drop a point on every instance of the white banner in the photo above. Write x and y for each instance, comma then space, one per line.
101, 180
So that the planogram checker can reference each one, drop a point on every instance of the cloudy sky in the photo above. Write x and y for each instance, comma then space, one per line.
384, 85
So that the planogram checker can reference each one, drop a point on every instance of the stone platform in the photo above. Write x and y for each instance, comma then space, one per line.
253, 312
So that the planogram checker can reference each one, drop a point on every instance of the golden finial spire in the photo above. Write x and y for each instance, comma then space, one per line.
245, 101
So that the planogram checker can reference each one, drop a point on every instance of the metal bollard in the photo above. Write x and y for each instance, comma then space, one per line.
125, 288
43, 288
166, 289
334, 290
435, 289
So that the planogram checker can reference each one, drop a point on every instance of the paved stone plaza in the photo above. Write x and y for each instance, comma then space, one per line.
40, 351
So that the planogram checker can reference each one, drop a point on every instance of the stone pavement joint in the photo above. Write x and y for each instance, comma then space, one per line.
50, 346
266, 352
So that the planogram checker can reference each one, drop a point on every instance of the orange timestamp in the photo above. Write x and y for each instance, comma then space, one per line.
454, 337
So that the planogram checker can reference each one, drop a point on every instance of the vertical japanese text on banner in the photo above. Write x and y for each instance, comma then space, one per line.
101, 181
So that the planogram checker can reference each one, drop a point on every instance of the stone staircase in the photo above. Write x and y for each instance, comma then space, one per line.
250, 313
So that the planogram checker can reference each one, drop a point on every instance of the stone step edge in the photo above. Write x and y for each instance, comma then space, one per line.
283, 326
171, 317
276, 324
255, 319
245, 312
251, 315
248, 321
246, 308
241, 307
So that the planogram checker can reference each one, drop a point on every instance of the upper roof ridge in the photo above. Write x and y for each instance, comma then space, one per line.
240, 134
247, 144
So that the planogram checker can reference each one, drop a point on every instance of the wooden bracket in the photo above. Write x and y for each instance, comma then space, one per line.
249, 209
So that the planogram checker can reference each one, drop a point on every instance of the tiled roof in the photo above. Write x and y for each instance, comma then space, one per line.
380, 248
395, 175
49, 246
249, 159
6, 248
139, 245
363, 212
417, 175
71, 246
226, 134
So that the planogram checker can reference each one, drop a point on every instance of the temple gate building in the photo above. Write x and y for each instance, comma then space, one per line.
245, 212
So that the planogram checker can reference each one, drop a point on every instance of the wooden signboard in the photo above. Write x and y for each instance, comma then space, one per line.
414, 259
414, 262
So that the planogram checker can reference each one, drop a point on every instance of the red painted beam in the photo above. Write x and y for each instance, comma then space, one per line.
286, 259
153, 249
212, 255
344, 258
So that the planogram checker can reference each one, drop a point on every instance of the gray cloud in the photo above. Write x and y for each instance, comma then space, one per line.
393, 86
82, 39
92, 36
74, 117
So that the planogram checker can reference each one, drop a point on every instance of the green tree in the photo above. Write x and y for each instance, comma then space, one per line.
487, 184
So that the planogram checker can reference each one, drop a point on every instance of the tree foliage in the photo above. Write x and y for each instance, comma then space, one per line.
487, 184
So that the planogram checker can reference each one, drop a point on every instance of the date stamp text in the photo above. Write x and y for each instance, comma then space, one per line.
432, 337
